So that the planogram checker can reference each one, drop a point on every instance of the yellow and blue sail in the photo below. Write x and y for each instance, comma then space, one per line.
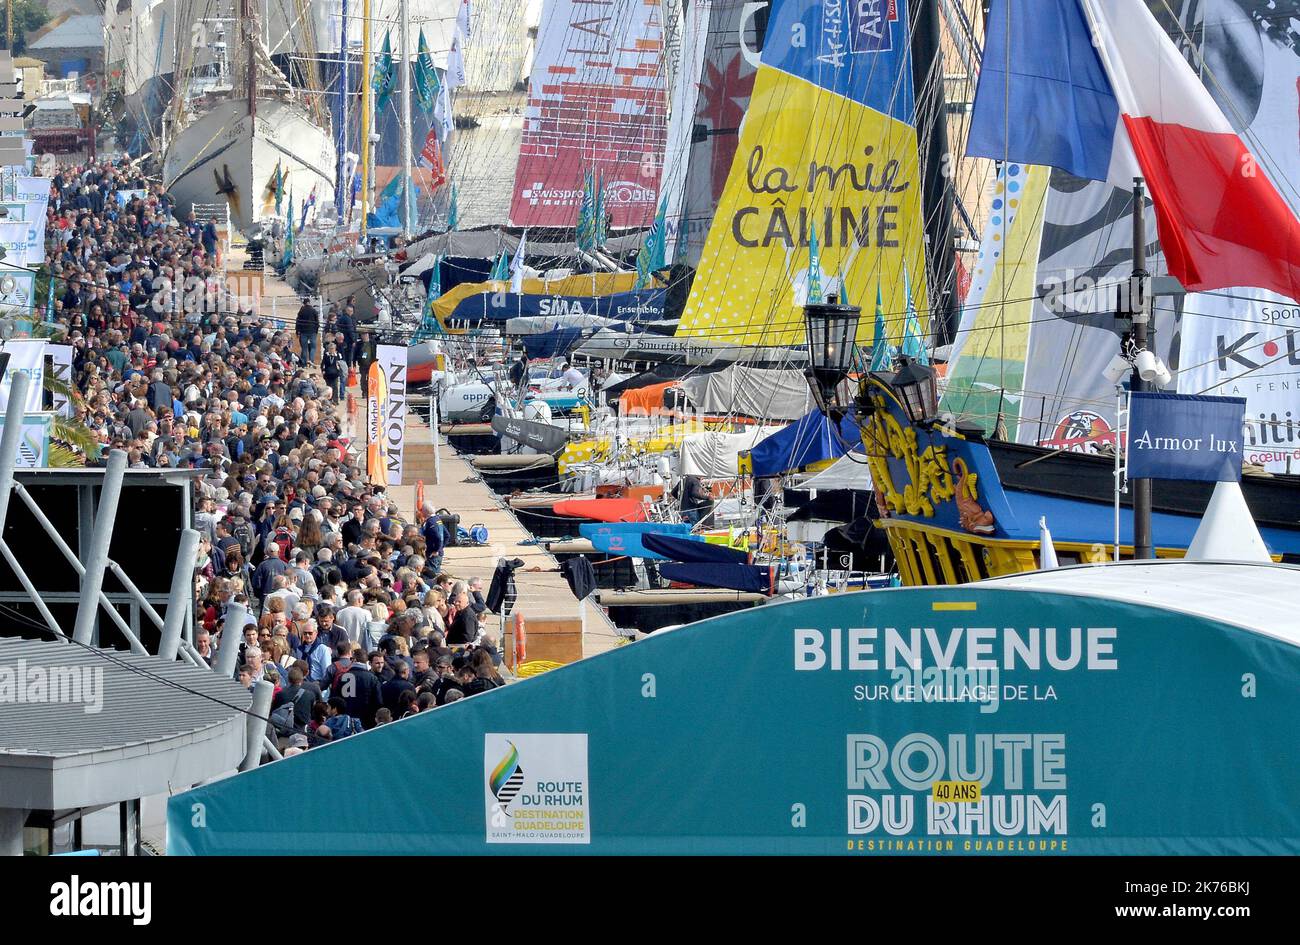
829, 143
989, 353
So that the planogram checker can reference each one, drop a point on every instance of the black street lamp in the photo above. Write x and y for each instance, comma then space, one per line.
832, 330
916, 389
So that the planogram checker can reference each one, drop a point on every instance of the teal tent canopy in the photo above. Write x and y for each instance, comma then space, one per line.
1158, 692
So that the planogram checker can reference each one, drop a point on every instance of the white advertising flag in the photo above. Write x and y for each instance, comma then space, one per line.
31, 188
25, 357
14, 238
455, 76
61, 370
35, 219
392, 361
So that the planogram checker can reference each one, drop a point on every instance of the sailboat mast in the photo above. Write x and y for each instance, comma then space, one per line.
341, 201
367, 83
937, 203
407, 224
250, 40
1140, 313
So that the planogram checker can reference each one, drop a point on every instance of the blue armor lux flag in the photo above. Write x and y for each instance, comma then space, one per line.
1184, 436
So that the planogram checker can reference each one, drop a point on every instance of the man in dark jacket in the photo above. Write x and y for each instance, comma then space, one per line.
435, 538
138, 418
364, 358
160, 393
393, 689
464, 626
360, 691
307, 325
695, 501
335, 370
210, 239
301, 697
271, 567
346, 325
351, 529
519, 370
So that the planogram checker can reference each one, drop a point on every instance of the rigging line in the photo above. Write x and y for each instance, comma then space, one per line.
1006, 151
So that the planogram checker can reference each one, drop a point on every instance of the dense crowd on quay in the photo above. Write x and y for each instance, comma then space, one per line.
350, 615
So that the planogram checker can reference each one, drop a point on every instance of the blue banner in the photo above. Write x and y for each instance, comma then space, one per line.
637, 306
1043, 96
1184, 436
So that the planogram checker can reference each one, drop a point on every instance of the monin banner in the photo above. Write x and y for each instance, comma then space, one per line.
392, 362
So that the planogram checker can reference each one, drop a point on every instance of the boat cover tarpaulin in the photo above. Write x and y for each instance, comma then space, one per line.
660, 374
602, 510
649, 398
549, 344
850, 471
628, 538
716, 455
692, 548
764, 393
812, 440
1206, 771
537, 324
753, 578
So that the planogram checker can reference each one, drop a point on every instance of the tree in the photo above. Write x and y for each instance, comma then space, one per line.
29, 16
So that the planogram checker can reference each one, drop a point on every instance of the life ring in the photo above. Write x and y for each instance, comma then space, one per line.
521, 640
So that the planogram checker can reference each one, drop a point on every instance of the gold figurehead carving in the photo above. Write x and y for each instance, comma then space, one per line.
930, 476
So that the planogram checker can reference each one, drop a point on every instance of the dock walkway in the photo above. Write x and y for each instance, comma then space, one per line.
544, 595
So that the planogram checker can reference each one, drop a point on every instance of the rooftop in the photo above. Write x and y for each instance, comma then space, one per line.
1259, 597
123, 725
79, 31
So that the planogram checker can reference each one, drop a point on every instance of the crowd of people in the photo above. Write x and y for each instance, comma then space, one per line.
350, 615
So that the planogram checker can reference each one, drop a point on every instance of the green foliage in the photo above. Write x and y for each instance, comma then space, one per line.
29, 16
61, 457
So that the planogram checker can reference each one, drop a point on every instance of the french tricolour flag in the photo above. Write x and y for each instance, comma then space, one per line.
1128, 105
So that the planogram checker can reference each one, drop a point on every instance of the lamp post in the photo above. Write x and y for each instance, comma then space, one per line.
832, 329
917, 390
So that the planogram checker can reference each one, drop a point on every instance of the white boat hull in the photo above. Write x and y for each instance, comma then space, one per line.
225, 149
